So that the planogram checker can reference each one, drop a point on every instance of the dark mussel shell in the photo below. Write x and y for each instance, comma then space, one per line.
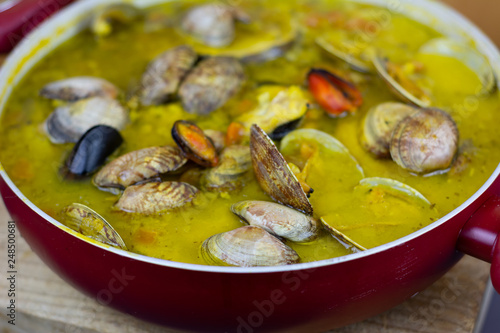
194, 143
91, 151
281, 131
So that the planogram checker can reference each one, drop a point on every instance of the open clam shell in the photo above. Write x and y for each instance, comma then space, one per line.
247, 247
395, 87
235, 162
268, 36
394, 188
278, 220
341, 236
341, 47
324, 142
89, 223
477, 62
274, 174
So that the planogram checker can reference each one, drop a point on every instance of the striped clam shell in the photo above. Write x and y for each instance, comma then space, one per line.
139, 165
151, 198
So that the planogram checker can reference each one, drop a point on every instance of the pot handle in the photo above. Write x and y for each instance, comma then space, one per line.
19, 17
480, 237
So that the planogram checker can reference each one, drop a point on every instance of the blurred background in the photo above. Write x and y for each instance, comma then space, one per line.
484, 13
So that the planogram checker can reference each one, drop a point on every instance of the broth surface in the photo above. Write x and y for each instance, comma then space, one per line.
33, 162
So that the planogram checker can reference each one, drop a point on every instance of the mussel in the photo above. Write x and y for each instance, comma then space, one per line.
194, 143
273, 173
91, 151
278, 220
246, 247
79, 87
69, 122
139, 165
235, 162
333, 93
425, 141
151, 198
210, 84
378, 125
213, 24
165, 73
89, 223
276, 115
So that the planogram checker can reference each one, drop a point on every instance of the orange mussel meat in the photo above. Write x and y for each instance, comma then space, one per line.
334, 94
195, 144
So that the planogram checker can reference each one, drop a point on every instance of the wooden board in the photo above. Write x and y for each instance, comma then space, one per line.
46, 304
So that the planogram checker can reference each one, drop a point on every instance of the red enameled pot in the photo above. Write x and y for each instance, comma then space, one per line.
304, 297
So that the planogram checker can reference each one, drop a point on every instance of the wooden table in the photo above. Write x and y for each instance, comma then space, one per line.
46, 304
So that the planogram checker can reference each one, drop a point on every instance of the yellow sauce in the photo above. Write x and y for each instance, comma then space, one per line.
370, 219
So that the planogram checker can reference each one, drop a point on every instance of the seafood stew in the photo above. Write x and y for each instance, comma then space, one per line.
198, 160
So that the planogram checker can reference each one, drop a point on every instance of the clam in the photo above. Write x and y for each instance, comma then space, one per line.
69, 122
333, 93
91, 151
425, 141
210, 84
235, 162
276, 115
400, 83
151, 198
278, 220
217, 137
213, 24
394, 188
281, 46
273, 173
247, 246
194, 143
87, 222
477, 62
104, 19
341, 236
79, 87
165, 73
322, 144
378, 125
270, 34
345, 46
139, 165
